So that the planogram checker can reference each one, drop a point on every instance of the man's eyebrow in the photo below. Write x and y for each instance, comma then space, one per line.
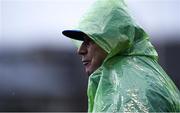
87, 38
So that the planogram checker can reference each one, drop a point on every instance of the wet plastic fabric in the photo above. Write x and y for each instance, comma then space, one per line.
130, 79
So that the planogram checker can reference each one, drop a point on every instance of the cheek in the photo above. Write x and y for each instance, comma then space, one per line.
93, 66
97, 56
97, 60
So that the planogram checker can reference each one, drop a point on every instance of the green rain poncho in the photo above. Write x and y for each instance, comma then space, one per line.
130, 78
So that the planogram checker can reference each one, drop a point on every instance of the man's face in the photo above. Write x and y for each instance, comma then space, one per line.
92, 55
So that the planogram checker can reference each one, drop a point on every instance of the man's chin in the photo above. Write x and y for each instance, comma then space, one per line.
88, 72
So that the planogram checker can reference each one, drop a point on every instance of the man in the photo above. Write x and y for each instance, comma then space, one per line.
124, 75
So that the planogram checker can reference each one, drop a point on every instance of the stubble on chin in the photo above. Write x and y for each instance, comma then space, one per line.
88, 73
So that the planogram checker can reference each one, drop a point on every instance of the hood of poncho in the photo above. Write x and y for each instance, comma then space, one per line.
110, 25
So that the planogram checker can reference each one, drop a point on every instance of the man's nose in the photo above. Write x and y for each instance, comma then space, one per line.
82, 50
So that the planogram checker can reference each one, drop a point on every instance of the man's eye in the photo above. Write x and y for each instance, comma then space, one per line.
87, 43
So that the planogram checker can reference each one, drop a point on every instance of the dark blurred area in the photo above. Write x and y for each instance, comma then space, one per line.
169, 59
42, 79
45, 79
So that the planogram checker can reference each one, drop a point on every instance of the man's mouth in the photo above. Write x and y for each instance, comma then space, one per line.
85, 62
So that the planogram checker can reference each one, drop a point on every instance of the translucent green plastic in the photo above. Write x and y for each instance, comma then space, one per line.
130, 78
